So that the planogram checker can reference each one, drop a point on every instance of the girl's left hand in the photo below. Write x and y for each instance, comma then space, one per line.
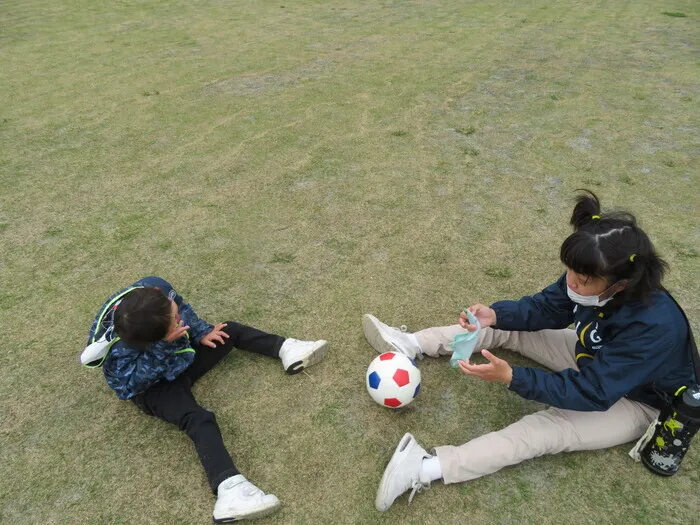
496, 369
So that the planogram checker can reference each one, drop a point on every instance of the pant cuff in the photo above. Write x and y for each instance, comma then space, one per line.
446, 458
278, 347
216, 481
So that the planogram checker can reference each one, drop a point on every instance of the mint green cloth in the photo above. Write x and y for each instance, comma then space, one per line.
463, 343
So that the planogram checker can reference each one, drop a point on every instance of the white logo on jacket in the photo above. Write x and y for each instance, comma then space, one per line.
592, 336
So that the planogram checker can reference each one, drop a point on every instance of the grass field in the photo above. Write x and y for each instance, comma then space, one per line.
293, 165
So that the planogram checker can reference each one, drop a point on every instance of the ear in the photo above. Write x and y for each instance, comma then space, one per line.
615, 288
619, 286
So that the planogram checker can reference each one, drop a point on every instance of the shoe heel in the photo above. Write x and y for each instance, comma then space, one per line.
405, 441
295, 368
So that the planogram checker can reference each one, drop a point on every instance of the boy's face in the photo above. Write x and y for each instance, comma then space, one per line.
176, 329
175, 315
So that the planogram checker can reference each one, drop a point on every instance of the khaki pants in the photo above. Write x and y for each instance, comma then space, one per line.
546, 432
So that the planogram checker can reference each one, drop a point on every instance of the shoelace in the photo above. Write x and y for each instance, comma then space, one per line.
418, 486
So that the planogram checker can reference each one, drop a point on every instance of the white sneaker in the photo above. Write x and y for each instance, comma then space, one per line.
402, 473
239, 499
384, 338
297, 355
95, 353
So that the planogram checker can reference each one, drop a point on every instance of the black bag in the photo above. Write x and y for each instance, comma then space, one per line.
677, 423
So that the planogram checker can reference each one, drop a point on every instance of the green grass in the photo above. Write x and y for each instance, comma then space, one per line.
466, 131
294, 166
499, 272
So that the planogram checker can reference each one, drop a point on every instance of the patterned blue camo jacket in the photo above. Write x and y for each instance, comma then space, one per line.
131, 371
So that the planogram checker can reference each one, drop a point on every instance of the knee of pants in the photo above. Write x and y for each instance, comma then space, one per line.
140, 402
548, 432
232, 327
191, 421
567, 439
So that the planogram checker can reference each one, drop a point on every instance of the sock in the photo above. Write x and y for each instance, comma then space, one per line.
430, 469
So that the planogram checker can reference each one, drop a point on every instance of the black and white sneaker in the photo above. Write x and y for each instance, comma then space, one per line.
297, 355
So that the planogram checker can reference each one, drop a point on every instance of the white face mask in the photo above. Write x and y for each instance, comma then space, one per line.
587, 300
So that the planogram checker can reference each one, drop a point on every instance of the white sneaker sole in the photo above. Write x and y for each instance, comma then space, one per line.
373, 333
399, 456
315, 355
258, 512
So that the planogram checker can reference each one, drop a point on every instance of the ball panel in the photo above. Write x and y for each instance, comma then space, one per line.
392, 402
373, 380
386, 356
401, 377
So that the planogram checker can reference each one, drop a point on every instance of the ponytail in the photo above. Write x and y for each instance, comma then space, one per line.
587, 209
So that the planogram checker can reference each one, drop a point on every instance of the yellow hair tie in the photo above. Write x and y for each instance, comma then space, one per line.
595, 217
632, 257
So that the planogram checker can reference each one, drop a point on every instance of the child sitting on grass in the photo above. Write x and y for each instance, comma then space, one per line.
152, 348
628, 351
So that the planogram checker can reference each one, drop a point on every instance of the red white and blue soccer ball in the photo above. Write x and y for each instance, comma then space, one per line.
393, 380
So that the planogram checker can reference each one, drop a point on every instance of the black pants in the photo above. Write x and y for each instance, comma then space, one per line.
173, 401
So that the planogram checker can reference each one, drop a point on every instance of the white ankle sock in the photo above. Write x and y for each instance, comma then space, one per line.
430, 469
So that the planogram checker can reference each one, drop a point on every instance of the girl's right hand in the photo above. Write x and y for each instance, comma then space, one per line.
485, 315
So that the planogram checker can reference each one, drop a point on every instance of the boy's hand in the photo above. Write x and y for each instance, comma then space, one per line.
485, 315
496, 370
217, 334
176, 332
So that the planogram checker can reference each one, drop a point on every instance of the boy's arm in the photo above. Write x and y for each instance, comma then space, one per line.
549, 309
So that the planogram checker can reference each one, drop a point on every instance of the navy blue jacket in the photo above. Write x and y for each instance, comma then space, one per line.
623, 350
131, 371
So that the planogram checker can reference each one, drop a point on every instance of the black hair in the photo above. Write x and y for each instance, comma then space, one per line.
612, 246
144, 316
